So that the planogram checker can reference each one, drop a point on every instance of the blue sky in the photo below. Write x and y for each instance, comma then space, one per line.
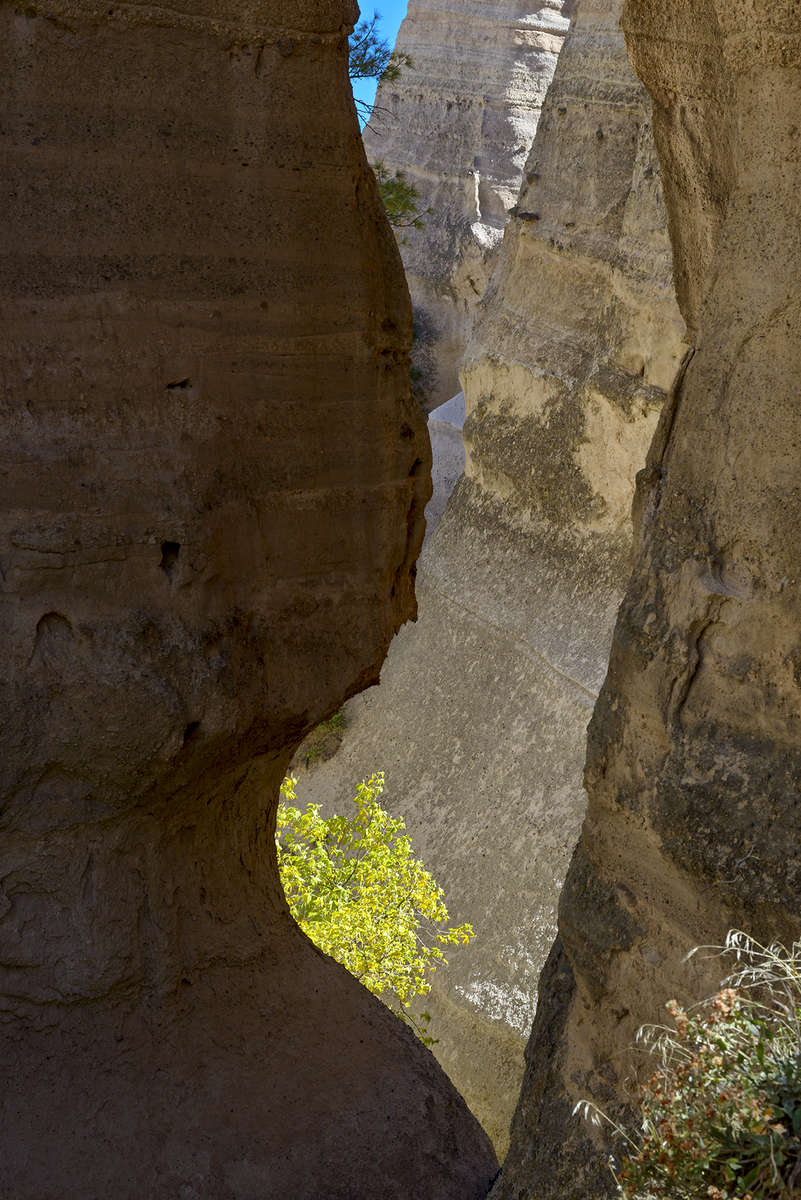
392, 13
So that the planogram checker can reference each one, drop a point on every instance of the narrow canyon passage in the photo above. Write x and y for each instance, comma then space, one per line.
480, 719
214, 478
459, 122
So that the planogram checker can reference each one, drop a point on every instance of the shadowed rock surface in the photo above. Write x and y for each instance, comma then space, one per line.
213, 486
694, 766
573, 352
460, 123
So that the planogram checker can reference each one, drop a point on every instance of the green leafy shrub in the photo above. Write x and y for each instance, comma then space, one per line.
721, 1112
353, 885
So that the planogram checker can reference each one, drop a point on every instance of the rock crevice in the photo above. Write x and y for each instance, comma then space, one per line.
572, 355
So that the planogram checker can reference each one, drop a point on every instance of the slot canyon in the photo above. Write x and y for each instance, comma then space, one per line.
215, 478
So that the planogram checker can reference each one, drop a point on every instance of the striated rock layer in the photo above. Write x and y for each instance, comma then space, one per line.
694, 761
573, 353
460, 123
213, 484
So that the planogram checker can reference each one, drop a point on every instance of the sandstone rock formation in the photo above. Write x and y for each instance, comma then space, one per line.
213, 485
445, 426
573, 353
460, 123
694, 759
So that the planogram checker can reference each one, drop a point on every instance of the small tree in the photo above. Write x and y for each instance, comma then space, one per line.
401, 198
353, 885
370, 57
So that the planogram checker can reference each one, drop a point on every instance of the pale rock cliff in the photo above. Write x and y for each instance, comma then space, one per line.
694, 760
460, 123
445, 425
573, 353
212, 493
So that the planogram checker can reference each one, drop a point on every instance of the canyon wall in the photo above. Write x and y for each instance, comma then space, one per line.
694, 758
459, 122
213, 485
572, 356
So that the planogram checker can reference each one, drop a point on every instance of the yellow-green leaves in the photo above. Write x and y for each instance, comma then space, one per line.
354, 886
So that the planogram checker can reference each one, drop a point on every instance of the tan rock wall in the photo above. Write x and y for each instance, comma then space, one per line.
573, 351
460, 124
693, 766
213, 484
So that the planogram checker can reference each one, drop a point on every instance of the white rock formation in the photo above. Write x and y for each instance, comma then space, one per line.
460, 124
445, 426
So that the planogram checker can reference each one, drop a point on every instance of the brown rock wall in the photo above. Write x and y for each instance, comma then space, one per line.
213, 483
694, 765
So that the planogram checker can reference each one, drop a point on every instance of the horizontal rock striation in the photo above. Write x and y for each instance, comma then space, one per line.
694, 765
460, 123
213, 485
572, 356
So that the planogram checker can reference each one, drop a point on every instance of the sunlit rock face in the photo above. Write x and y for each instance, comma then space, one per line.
445, 426
213, 485
694, 760
572, 356
460, 123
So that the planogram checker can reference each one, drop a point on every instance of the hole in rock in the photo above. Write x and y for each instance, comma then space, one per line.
55, 624
53, 635
190, 733
169, 557
181, 383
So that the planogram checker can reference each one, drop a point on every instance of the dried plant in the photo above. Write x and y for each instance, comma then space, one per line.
721, 1112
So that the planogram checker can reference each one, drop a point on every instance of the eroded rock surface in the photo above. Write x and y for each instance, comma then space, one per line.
213, 486
574, 350
445, 426
694, 764
460, 123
